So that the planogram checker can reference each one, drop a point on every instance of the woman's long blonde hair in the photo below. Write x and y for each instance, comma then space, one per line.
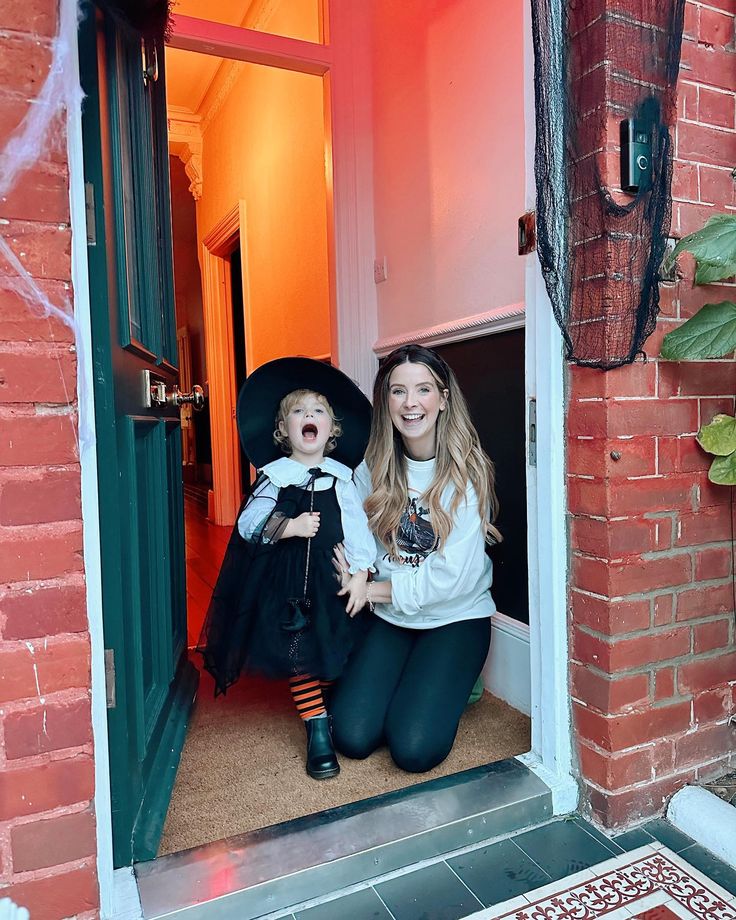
459, 457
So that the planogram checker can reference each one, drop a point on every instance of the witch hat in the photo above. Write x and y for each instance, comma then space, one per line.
263, 390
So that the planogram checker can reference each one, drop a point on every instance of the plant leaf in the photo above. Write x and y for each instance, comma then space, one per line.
711, 333
723, 470
714, 244
719, 437
708, 272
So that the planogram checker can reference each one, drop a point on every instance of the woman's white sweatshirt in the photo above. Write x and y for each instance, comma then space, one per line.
431, 587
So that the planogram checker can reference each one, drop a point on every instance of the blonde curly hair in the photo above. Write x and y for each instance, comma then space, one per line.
285, 407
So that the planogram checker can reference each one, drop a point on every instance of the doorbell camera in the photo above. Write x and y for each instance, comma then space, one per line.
636, 155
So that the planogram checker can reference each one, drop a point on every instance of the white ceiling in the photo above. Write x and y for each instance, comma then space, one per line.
188, 74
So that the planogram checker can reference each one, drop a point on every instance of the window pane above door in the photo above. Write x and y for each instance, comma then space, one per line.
300, 19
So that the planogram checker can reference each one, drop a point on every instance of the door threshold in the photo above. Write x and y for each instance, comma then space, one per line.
276, 867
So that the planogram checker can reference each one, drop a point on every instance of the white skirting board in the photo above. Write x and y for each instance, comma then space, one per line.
506, 671
710, 821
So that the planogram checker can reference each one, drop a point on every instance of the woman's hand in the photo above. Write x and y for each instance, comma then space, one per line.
305, 525
340, 564
356, 590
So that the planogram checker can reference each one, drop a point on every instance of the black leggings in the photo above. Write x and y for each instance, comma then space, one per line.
408, 688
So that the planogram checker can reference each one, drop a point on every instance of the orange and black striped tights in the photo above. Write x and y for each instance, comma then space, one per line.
306, 692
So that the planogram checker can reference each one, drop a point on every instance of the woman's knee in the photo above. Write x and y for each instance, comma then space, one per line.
417, 754
353, 740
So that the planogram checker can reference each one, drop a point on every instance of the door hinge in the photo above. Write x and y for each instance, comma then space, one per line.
89, 210
110, 677
532, 437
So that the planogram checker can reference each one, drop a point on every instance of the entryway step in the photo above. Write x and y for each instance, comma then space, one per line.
280, 866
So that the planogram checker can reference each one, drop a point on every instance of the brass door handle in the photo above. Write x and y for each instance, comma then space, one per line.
156, 393
195, 398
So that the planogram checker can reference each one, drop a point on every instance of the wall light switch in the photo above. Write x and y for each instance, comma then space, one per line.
380, 270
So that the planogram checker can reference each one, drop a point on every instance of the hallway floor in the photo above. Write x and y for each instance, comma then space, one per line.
205, 546
564, 870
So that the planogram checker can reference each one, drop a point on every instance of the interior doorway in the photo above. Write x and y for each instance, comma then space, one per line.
223, 732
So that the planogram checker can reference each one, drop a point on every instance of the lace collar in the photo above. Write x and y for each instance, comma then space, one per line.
288, 472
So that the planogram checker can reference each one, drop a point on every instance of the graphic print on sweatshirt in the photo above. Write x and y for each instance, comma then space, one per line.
415, 536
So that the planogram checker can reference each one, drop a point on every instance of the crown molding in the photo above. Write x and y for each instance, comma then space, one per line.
185, 141
498, 319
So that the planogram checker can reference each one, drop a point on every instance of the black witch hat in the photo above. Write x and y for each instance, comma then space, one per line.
262, 392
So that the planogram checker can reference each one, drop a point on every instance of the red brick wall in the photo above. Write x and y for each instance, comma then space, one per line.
653, 652
47, 827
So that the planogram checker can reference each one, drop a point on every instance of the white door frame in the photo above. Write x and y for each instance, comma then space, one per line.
550, 756
348, 96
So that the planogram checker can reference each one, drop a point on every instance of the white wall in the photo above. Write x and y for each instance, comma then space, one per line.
448, 158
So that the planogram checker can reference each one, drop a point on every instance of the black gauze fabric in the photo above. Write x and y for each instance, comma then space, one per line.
600, 249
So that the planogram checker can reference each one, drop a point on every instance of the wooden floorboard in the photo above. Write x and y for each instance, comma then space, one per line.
205, 548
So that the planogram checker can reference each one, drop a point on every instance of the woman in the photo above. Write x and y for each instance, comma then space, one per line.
428, 492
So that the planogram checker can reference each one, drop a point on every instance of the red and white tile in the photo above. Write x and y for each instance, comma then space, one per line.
651, 883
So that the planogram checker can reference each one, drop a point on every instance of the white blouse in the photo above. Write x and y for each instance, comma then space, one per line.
360, 548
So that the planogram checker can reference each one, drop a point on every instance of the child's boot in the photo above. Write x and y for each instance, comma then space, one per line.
321, 759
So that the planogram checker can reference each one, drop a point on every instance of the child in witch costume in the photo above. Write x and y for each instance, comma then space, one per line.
277, 608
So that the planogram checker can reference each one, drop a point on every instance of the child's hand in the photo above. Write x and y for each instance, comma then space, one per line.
357, 592
305, 525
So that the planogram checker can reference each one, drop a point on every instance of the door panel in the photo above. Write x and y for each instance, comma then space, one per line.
174, 566
139, 452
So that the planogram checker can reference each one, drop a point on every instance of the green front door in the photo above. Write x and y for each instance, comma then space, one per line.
151, 683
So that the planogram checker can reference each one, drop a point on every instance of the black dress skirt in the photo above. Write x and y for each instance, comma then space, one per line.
258, 622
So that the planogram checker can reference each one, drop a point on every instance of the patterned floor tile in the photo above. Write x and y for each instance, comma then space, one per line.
713, 867
658, 913
656, 884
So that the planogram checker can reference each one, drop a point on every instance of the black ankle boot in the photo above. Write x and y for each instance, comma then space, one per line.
321, 760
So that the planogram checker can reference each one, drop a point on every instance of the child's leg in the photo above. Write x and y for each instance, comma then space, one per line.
326, 687
306, 692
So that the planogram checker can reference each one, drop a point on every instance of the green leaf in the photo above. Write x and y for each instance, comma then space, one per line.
713, 245
723, 470
708, 273
711, 333
719, 437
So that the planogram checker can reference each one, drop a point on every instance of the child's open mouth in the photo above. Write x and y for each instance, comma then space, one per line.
309, 432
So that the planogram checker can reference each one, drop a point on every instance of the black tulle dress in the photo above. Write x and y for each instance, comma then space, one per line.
258, 621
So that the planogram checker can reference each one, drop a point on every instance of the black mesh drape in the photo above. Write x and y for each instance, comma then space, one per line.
598, 62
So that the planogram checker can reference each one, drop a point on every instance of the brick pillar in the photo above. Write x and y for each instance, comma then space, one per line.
653, 652
47, 827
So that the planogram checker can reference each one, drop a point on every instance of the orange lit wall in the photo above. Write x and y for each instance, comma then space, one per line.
265, 144
448, 146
